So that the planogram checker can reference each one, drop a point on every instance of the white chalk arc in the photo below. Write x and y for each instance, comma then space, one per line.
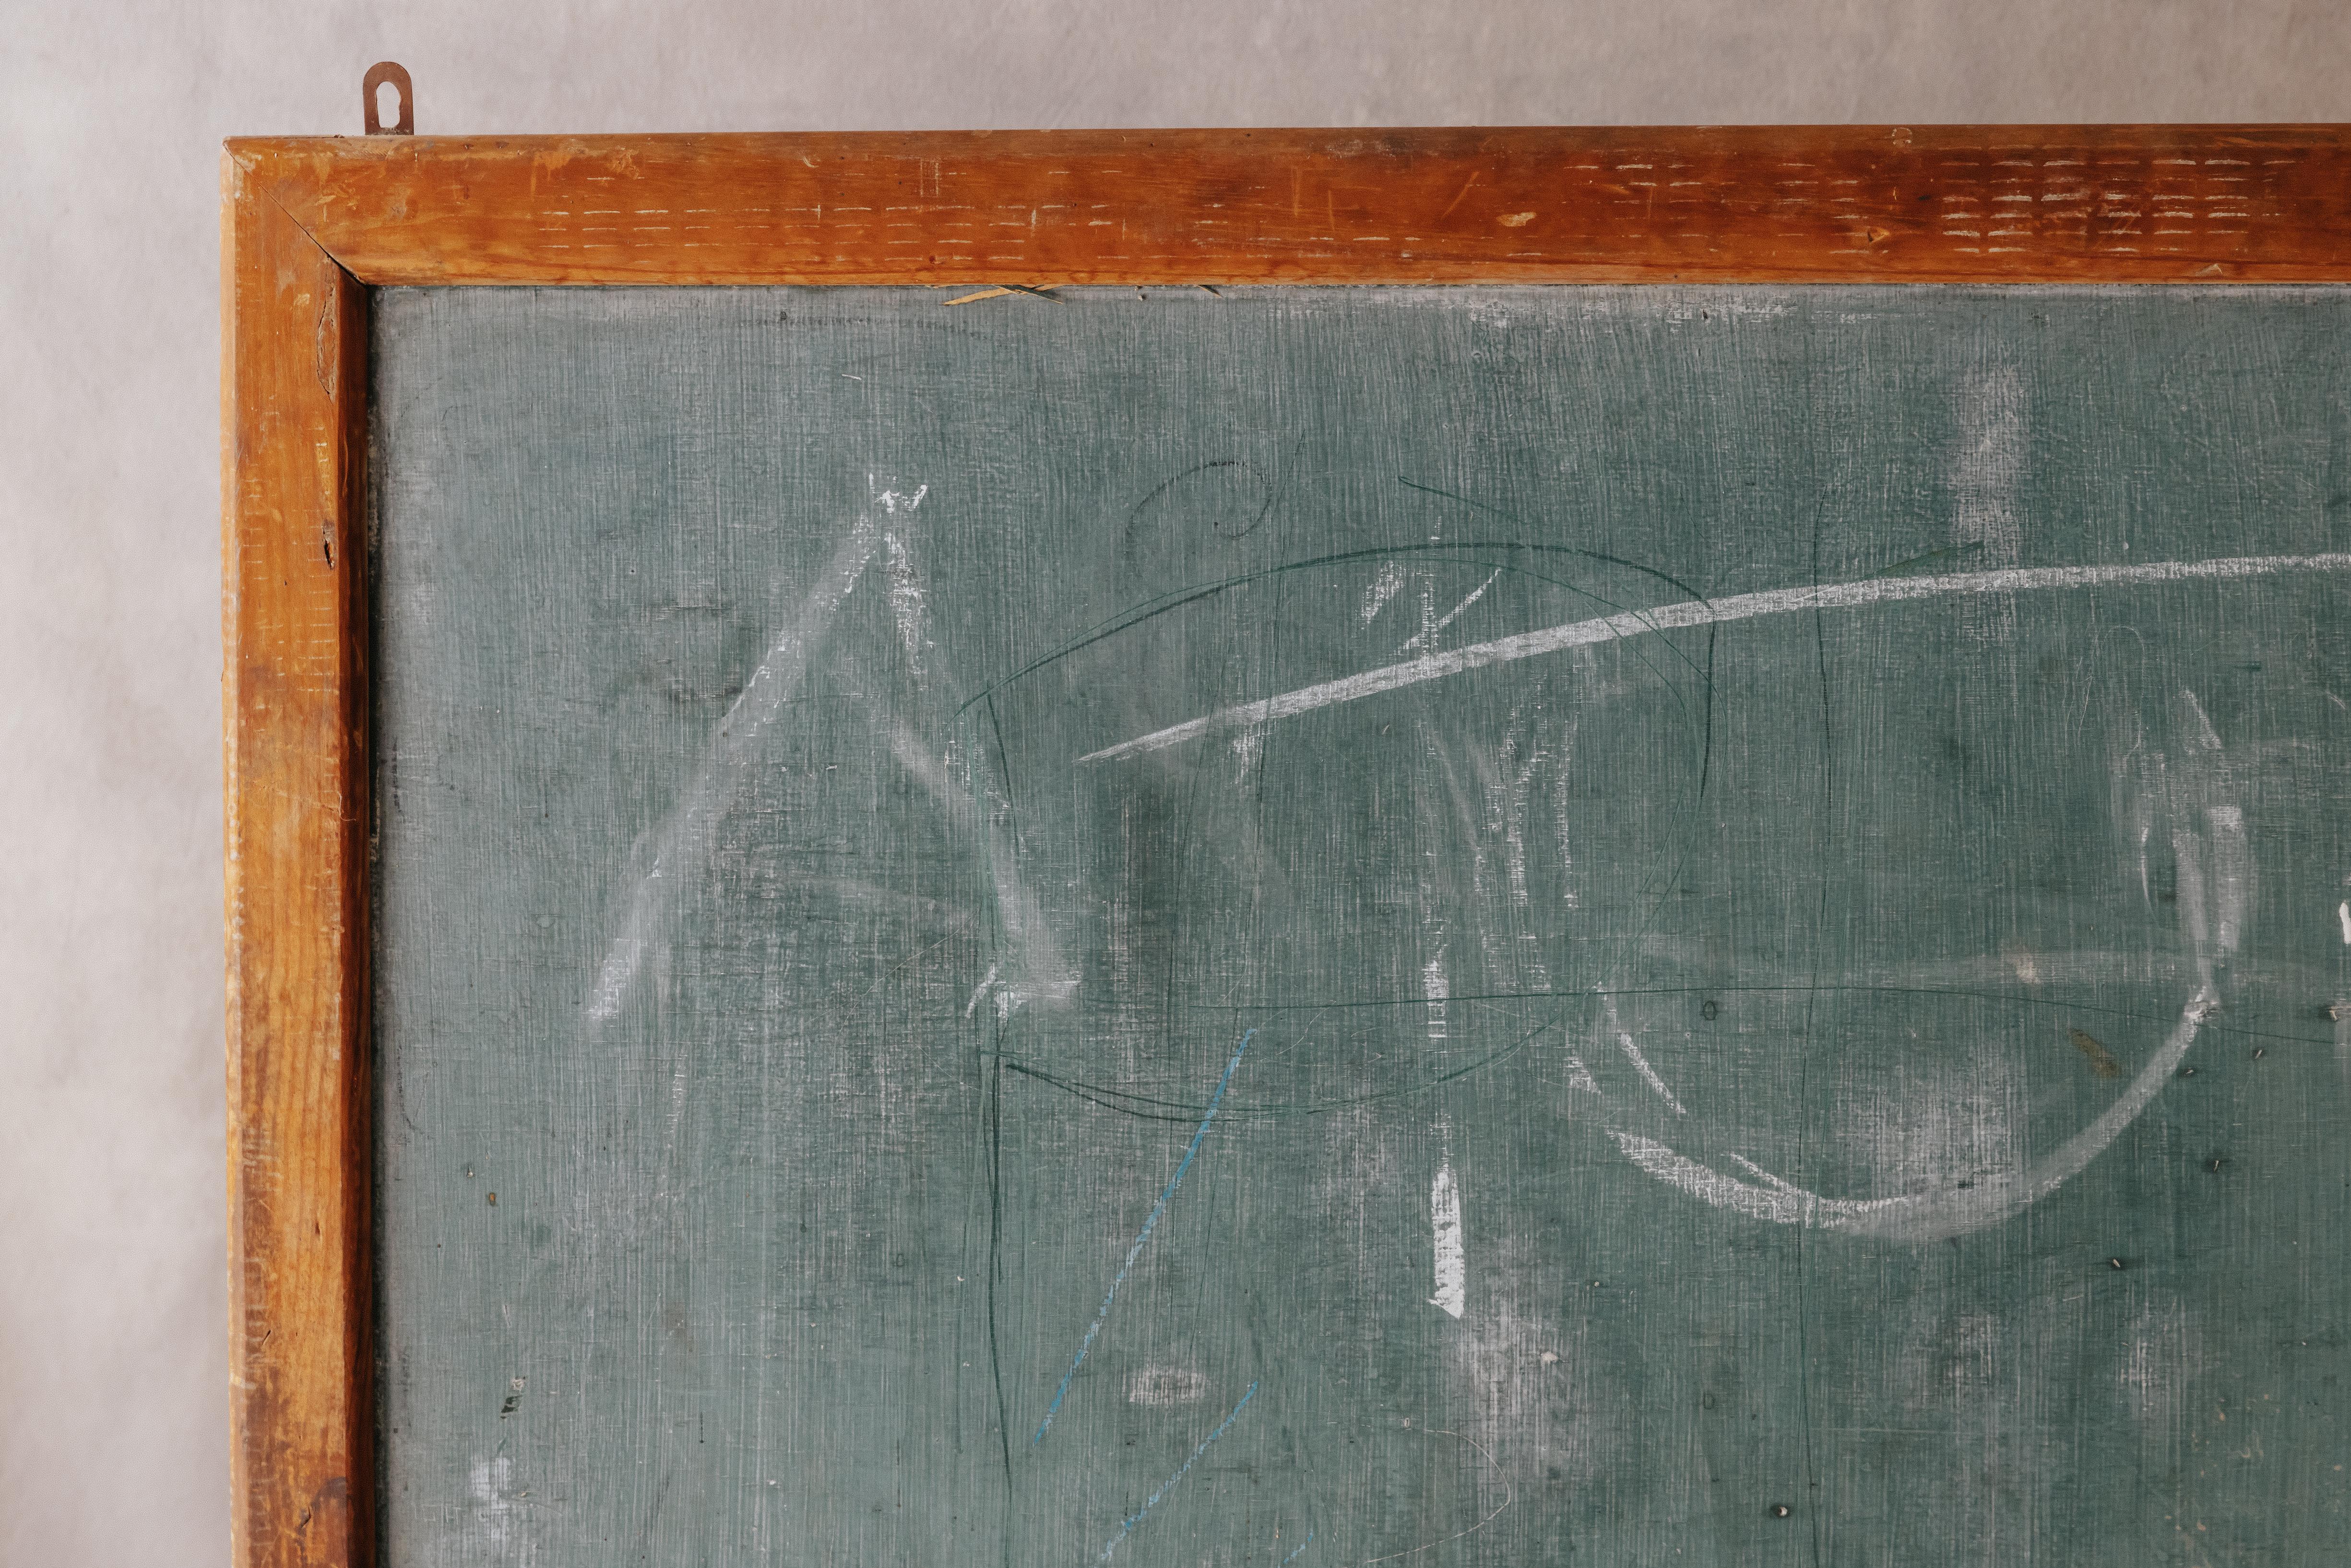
1926, 1216
1703, 612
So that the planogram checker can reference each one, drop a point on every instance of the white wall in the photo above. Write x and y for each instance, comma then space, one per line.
113, 1415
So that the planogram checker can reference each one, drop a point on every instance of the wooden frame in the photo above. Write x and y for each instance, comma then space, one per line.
311, 224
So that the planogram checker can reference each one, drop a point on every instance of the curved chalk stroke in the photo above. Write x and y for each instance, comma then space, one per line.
1927, 1216
2212, 901
1702, 612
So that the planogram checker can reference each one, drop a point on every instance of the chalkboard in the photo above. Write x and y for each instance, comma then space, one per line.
1475, 926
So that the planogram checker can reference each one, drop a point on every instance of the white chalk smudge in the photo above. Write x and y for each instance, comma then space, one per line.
1989, 462
979, 992
1564, 814
1708, 612
2195, 909
1580, 1076
1432, 627
1760, 1174
1515, 798
908, 600
1248, 745
491, 1484
1166, 1385
682, 842
2343, 914
2232, 875
1434, 990
2157, 1364
1949, 1115
1382, 589
2206, 737
1444, 1223
1986, 465
1649, 1074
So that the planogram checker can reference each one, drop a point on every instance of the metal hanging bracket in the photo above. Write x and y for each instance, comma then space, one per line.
378, 73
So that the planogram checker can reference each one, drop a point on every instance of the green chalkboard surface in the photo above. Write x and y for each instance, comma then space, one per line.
1329, 926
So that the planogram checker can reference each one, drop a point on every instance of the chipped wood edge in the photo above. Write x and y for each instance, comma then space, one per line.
294, 404
310, 223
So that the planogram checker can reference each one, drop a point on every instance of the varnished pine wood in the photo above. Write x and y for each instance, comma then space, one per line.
293, 637
2091, 203
310, 223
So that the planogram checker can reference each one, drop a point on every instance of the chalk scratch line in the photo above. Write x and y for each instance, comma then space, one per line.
1149, 1224
1168, 1484
1640, 1062
1509, 1496
1704, 612
680, 847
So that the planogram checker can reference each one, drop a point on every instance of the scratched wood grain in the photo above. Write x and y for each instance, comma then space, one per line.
294, 681
1471, 926
1953, 204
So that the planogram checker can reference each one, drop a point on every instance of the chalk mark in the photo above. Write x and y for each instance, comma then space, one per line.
1701, 612
1149, 1224
1640, 1063
1706, 743
1509, 1496
682, 844
1927, 1216
1451, 1264
1168, 1484
1426, 637
1176, 599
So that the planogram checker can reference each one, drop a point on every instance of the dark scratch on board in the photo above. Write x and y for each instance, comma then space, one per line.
1270, 494
994, 1115
1464, 550
1110, 1098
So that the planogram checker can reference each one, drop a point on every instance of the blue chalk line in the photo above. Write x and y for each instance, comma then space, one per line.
1169, 1484
1136, 1250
